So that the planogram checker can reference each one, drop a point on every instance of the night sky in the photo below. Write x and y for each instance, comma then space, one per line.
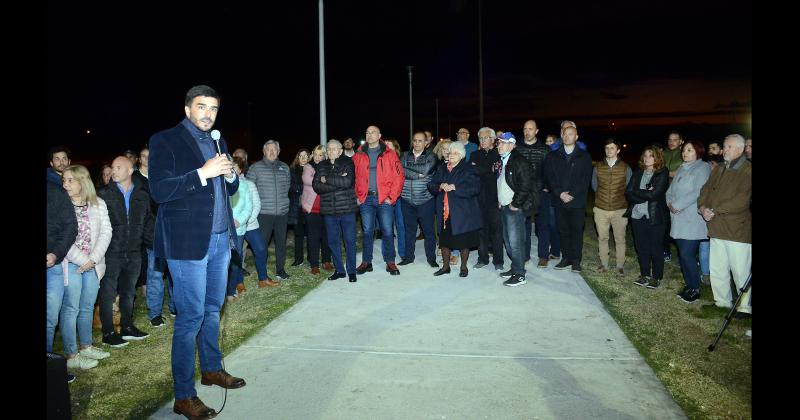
122, 70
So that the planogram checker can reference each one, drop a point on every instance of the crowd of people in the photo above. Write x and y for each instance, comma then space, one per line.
108, 235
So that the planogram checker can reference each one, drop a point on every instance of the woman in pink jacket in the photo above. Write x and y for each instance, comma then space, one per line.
309, 203
84, 267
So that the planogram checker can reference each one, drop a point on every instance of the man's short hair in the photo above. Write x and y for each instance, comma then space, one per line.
275, 142
569, 124
738, 138
58, 149
676, 133
614, 141
336, 143
200, 90
492, 134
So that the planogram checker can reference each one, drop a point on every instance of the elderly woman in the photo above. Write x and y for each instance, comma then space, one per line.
456, 185
688, 227
296, 215
242, 207
86, 266
315, 226
647, 210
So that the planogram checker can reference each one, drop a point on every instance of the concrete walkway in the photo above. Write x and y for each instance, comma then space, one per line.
416, 346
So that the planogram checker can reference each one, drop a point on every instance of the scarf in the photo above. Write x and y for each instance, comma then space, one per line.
446, 203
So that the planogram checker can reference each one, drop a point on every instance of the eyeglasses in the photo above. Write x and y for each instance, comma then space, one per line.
463, 132
484, 138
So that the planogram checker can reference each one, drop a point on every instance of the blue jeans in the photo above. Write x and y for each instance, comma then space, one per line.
155, 288
705, 248
55, 297
77, 309
513, 228
236, 275
400, 228
256, 241
199, 294
338, 227
385, 215
687, 253
546, 229
423, 214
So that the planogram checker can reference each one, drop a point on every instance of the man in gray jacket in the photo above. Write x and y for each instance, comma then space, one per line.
418, 204
272, 180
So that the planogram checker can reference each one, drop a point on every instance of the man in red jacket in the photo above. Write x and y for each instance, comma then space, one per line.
378, 184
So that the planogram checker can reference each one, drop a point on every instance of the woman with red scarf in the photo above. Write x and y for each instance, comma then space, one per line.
456, 186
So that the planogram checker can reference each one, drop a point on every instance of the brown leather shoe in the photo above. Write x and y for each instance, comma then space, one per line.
542, 263
221, 378
268, 282
602, 269
315, 270
240, 288
392, 269
193, 409
363, 268
328, 266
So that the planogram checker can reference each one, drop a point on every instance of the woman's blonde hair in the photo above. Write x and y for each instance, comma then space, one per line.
317, 149
441, 146
81, 174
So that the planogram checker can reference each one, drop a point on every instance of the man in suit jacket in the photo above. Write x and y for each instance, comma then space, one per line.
194, 233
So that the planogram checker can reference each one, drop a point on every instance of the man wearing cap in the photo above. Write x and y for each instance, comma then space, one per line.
568, 174
516, 198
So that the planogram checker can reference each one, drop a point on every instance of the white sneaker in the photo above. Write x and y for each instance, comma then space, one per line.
81, 362
93, 352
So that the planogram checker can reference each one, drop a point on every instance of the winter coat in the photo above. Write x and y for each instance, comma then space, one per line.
535, 154
390, 174
100, 231
309, 195
728, 192
418, 172
131, 230
655, 199
682, 194
487, 163
571, 173
465, 215
242, 206
273, 181
295, 191
337, 195
62, 224
519, 177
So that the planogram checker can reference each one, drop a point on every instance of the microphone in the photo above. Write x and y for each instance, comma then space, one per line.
216, 136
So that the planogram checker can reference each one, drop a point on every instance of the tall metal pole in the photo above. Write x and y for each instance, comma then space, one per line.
410, 106
437, 119
480, 57
323, 126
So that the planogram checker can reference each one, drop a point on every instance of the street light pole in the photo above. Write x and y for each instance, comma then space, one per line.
323, 126
480, 57
410, 106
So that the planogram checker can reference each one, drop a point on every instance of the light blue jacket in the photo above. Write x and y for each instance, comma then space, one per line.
242, 206
682, 194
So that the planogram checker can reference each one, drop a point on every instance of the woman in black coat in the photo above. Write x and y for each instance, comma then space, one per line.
456, 186
648, 213
296, 217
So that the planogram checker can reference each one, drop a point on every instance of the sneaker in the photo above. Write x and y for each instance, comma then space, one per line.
653, 283
515, 280
563, 264
576, 267
507, 274
749, 333
480, 264
363, 268
173, 314
352, 277
81, 362
282, 276
667, 257
158, 322
641, 281
391, 268
70, 378
114, 340
336, 276
684, 290
553, 257
690, 295
297, 263
133, 333
405, 261
93, 352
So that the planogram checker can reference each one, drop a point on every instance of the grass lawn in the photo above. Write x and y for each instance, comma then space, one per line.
673, 336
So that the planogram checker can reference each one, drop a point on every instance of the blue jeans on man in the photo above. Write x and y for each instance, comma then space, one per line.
55, 298
77, 309
513, 239
155, 288
199, 287
338, 227
384, 213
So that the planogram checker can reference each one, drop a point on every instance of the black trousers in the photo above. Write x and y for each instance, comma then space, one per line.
491, 235
317, 238
300, 231
275, 226
570, 228
649, 241
120, 278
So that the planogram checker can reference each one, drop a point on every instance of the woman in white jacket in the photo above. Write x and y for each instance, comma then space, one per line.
84, 267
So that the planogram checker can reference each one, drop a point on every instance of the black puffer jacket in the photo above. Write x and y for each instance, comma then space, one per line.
656, 199
131, 230
519, 177
337, 194
535, 154
487, 163
62, 224
295, 191
568, 173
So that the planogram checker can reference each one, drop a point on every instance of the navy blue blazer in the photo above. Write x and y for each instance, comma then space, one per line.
185, 212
